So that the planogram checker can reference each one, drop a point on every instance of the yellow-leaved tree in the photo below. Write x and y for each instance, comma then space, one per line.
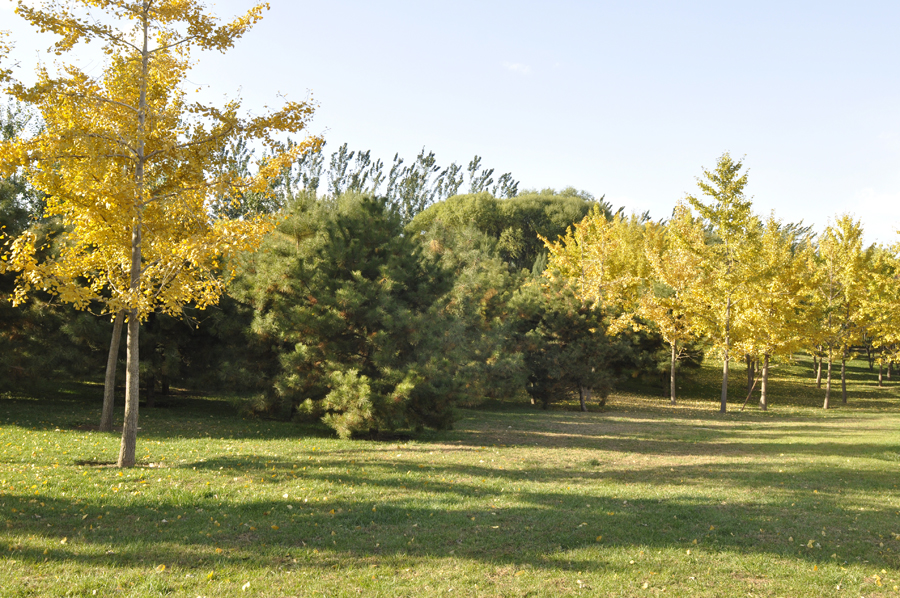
131, 166
844, 272
882, 306
602, 260
778, 318
671, 301
727, 264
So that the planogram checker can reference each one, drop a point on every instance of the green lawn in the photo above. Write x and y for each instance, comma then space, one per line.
639, 499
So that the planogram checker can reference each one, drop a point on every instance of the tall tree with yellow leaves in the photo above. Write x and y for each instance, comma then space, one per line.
130, 166
734, 233
670, 301
844, 267
778, 317
881, 309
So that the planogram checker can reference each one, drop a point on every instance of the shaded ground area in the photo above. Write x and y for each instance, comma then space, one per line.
638, 499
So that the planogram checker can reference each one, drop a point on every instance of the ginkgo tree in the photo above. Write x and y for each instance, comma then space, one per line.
670, 302
881, 306
844, 267
779, 315
727, 264
130, 165
602, 259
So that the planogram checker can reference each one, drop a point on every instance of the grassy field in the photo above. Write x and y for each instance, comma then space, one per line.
638, 499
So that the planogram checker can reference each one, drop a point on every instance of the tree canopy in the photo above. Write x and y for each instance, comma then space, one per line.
130, 166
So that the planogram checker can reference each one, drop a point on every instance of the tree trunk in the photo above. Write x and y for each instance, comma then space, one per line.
585, 395
844, 380
819, 374
724, 403
880, 373
109, 385
672, 376
828, 383
890, 368
132, 394
764, 384
751, 373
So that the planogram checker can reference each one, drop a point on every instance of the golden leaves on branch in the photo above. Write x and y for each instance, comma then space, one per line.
124, 160
603, 261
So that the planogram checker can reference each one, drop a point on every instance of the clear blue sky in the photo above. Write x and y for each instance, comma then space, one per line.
628, 99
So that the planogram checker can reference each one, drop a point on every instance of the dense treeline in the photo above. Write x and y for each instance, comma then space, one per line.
383, 300
369, 310
750, 288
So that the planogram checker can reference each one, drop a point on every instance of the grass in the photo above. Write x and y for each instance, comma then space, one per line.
639, 499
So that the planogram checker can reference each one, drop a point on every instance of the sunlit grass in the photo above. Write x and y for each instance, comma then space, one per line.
639, 499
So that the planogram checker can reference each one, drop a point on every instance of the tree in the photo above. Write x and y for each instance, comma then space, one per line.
347, 300
844, 268
603, 261
778, 317
670, 302
726, 269
565, 344
409, 188
131, 167
474, 319
882, 306
517, 223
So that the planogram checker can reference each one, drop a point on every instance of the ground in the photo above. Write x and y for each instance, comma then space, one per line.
637, 499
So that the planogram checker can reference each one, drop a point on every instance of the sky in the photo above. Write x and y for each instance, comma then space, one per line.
631, 100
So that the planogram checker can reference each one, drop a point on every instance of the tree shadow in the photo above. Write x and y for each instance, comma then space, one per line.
550, 530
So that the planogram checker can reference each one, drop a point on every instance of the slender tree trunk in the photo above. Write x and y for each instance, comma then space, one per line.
132, 378
724, 403
751, 373
672, 376
880, 373
585, 395
844, 380
819, 374
828, 383
763, 404
109, 385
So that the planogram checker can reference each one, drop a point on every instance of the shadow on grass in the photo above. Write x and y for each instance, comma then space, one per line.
552, 529
508, 518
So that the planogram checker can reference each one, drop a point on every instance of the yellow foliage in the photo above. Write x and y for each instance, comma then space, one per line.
131, 167
603, 262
